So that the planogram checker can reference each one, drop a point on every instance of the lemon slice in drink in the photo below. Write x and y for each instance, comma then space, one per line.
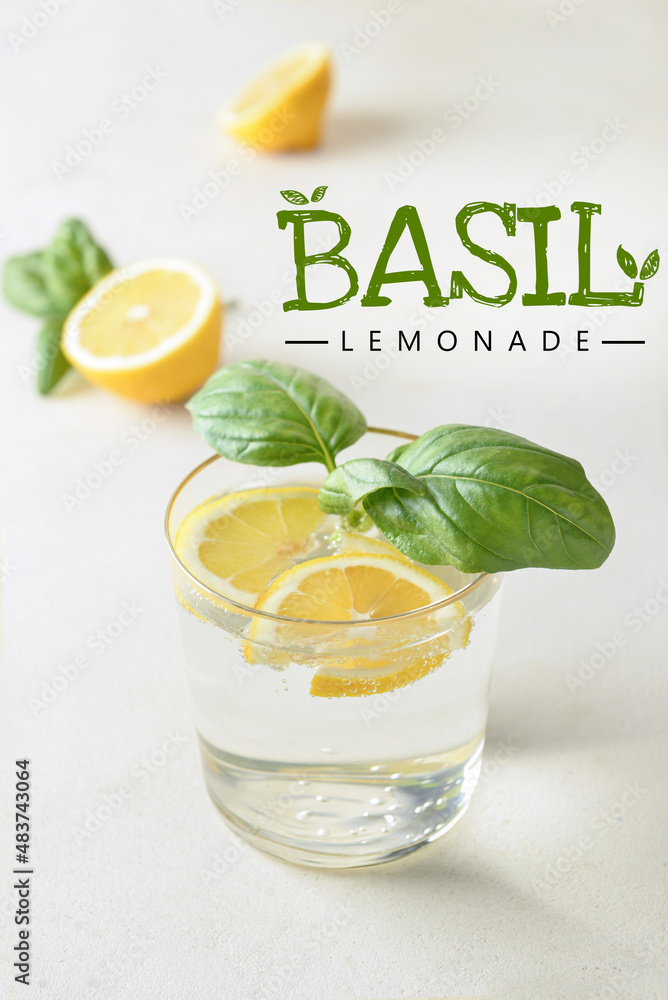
149, 331
237, 543
282, 107
359, 586
354, 541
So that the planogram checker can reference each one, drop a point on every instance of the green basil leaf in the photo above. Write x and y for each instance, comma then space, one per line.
354, 480
51, 362
73, 263
24, 285
397, 452
295, 197
626, 262
651, 266
50, 282
480, 499
267, 413
319, 193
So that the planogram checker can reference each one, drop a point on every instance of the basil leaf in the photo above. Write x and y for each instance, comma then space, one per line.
267, 413
73, 263
50, 282
399, 450
354, 480
480, 499
51, 362
319, 193
24, 286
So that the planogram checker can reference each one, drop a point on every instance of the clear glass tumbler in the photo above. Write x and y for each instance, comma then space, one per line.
333, 781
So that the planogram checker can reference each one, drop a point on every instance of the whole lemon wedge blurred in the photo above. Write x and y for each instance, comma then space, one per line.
149, 331
282, 107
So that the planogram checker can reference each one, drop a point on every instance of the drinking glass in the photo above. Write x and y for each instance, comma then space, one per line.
333, 781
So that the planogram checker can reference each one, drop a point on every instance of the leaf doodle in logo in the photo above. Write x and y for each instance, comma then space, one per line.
297, 198
627, 262
651, 266
630, 268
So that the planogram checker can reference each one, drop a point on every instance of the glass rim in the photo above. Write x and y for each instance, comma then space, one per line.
245, 609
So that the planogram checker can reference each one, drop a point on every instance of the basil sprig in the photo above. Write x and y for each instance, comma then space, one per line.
480, 499
477, 498
48, 283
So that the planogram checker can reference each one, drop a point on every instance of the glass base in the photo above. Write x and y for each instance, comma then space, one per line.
342, 816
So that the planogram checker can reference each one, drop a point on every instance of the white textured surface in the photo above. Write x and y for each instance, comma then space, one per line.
535, 894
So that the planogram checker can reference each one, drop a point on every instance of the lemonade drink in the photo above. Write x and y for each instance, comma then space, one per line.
339, 689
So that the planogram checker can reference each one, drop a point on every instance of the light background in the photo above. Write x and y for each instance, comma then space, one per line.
161, 901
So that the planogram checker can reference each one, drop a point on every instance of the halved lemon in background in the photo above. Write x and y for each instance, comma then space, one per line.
149, 331
282, 107
237, 543
359, 586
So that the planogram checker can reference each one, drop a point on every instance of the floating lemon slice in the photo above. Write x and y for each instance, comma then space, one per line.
149, 331
282, 107
353, 541
350, 587
237, 543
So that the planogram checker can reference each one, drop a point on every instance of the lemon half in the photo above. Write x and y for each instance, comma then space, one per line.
149, 331
282, 107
